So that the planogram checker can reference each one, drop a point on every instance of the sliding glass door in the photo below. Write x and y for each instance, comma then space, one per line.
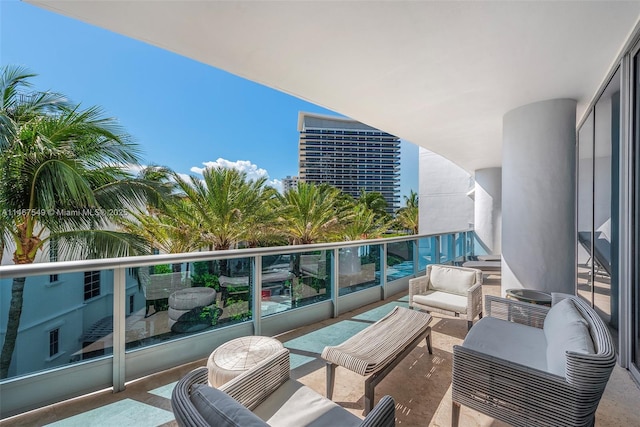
597, 205
635, 221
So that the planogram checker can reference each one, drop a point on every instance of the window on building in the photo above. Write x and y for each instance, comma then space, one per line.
53, 257
54, 342
91, 284
132, 304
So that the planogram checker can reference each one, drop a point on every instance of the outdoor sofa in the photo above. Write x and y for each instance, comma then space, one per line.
528, 364
265, 396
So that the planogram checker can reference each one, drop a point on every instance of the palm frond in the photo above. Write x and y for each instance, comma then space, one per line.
94, 244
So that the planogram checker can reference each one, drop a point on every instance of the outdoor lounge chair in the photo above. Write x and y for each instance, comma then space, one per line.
449, 290
528, 364
265, 396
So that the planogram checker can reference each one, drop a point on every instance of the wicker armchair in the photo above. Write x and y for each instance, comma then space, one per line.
268, 392
448, 290
523, 394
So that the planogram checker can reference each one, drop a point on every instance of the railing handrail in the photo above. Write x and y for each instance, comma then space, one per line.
44, 268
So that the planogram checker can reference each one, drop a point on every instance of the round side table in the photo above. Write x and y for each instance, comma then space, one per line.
239, 355
529, 295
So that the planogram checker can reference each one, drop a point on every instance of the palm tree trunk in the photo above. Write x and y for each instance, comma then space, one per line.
13, 323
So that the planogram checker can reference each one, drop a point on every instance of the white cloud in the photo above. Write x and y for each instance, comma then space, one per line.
253, 171
132, 168
275, 183
185, 177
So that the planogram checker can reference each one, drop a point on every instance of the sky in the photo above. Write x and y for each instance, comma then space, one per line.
184, 114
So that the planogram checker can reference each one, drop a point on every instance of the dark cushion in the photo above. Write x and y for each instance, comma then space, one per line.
221, 410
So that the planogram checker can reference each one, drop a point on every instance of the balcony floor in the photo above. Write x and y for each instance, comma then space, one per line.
420, 384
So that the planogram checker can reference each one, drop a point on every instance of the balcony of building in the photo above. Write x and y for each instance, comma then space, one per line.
420, 384
129, 338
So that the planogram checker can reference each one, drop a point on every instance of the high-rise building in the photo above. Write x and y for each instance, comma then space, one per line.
350, 156
289, 183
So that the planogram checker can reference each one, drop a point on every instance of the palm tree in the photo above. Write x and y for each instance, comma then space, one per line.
374, 201
170, 230
309, 213
56, 159
227, 204
408, 216
364, 224
411, 201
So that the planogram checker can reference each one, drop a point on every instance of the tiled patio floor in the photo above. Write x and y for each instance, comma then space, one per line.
420, 384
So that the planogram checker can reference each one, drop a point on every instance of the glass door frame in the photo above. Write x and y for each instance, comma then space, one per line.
629, 211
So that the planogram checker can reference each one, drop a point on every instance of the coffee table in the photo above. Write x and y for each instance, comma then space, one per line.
239, 355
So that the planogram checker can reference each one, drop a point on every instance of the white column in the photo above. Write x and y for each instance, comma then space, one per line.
488, 209
538, 196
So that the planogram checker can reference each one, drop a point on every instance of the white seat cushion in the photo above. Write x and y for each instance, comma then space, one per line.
294, 404
443, 300
510, 341
450, 279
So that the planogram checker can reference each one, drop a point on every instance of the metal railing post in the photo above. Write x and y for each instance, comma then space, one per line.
119, 328
416, 258
257, 295
452, 247
335, 282
383, 269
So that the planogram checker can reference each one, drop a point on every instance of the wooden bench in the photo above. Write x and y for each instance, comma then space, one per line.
376, 350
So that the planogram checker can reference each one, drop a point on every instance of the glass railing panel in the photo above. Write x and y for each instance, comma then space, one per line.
400, 261
427, 252
174, 300
66, 318
277, 283
312, 281
358, 268
470, 243
294, 280
447, 248
460, 246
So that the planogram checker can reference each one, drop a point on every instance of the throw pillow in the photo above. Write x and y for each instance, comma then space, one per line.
221, 410
565, 330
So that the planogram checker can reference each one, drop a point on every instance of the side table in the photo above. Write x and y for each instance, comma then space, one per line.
239, 355
529, 295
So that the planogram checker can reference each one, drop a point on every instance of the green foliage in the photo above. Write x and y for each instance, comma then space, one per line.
162, 269
238, 310
310, 213
63, 176
210, 314
227, 206
206, 279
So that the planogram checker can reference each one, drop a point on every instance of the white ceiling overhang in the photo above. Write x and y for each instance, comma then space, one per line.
439, 74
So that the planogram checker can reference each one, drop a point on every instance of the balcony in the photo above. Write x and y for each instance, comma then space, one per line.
420, 384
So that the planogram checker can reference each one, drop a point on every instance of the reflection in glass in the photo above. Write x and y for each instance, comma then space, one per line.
179, 299
60, 324
399, 260
428, 249
447, 248
605, 203
358, 268
597, 204
311, 281
585, 207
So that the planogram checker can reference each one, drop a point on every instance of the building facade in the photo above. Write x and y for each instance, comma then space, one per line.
349, 155
289, 183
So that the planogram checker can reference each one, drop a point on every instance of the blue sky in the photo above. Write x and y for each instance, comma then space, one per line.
182, 113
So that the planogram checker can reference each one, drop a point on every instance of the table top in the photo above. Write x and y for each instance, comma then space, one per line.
529, 295
244, 353
269, 276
